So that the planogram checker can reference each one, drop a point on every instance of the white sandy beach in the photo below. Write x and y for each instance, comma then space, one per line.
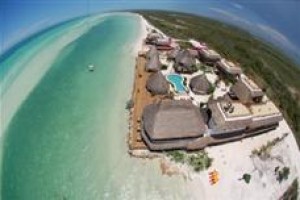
232, 160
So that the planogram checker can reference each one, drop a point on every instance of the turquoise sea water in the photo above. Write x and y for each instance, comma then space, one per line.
67, 140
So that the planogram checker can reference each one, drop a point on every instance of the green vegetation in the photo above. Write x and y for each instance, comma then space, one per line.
268, 67
211, 89
177, 156
204, 68
282, 174
247, 178
264, 152
163, 67
292, 192
228, 79
129, 104
185, 44
199, 161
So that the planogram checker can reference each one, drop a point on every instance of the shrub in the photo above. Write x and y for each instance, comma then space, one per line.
247, 178
200, 161
283, 174
129, 104
163, 67
292, 192
211, 89
177, 156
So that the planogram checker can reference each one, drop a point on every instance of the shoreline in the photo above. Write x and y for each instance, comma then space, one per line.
225, 162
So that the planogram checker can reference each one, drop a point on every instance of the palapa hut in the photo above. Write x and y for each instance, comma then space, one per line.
228, 67
247, 91
152, 37
157, 84
173, 53
152, 52
152, 64
185, 62
172, 124
209, 56
200, 85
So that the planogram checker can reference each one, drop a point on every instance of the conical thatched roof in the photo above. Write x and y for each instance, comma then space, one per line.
157, 84
199, 84
185, 58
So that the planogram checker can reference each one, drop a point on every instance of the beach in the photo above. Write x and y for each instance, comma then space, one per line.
68, 127
234, 159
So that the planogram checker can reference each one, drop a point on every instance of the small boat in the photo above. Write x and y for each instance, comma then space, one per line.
91, 68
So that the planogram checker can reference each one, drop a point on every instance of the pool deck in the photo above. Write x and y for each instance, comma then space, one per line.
141, 97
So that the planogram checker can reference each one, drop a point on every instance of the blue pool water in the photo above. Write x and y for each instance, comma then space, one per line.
177, 81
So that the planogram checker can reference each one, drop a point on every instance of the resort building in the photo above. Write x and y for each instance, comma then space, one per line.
152, 51
172, 125
152, 37
185, 62
173, 53
197, 45
228, 67
157, 84
209, 56
230, 119
152, 60
247, 91
264, 114
194, 52
200, 85
199, 114
163, 41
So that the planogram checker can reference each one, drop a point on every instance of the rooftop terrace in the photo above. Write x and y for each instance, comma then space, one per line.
264, 109
236, 110
249, 83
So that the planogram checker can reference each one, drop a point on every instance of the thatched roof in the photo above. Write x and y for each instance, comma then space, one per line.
245, 92
173, 53
209, 55
152, 52
229, 67
157, 84
152, 64
175, 119
199, 84
185, 58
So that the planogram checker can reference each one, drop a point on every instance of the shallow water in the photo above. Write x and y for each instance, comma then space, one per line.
68, 138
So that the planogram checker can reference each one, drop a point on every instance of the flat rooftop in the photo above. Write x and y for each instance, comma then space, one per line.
264, 109
211, 52
229, 64
249, 83
239, 110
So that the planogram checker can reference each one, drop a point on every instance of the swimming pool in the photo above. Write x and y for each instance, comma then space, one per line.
177, 81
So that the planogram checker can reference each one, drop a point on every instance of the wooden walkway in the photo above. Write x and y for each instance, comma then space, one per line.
141, 97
